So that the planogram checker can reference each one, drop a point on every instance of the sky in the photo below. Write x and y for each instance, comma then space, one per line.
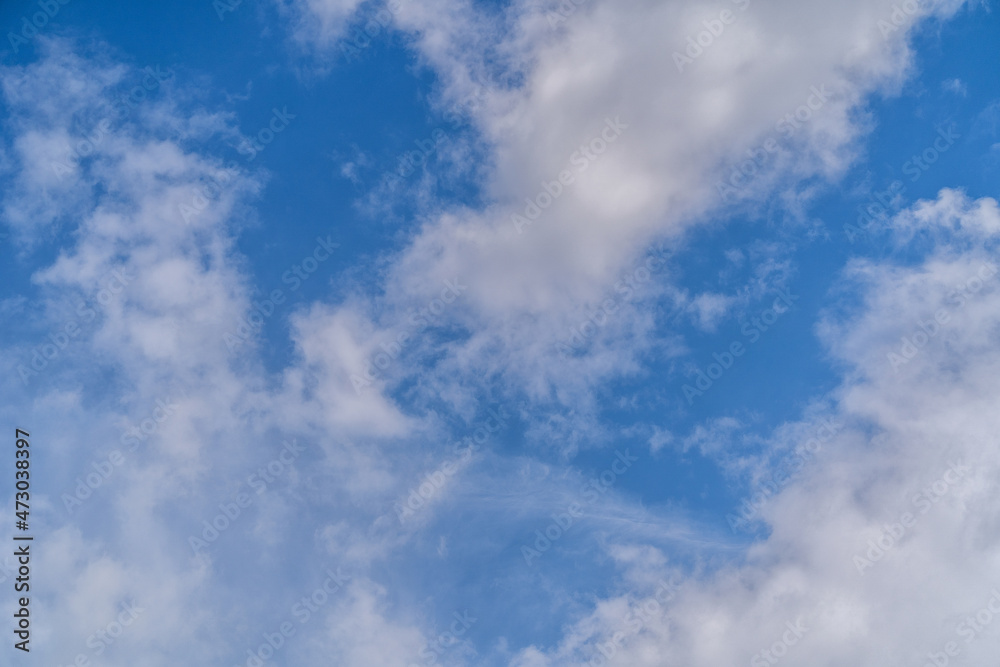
524, 333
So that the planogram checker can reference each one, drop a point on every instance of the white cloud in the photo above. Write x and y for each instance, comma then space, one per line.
319, 23
859, 605
145, 228
956, 86
538, 94
545, 92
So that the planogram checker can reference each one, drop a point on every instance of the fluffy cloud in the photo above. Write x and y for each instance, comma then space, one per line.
911, 467
647, 149
900, 495
146, 222
136, 302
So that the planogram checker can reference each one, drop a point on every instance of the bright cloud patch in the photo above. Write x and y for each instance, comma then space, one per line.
525, 333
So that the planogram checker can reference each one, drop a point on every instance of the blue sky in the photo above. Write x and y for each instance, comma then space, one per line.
277, 325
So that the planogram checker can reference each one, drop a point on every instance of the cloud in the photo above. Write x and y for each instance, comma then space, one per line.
319, 23
645, 144
139, 264
900, 495
645, 152
956, 86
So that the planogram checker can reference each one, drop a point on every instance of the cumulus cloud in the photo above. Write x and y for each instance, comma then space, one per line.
907, 472
899, 495
610, 138
647, 149
142, 290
